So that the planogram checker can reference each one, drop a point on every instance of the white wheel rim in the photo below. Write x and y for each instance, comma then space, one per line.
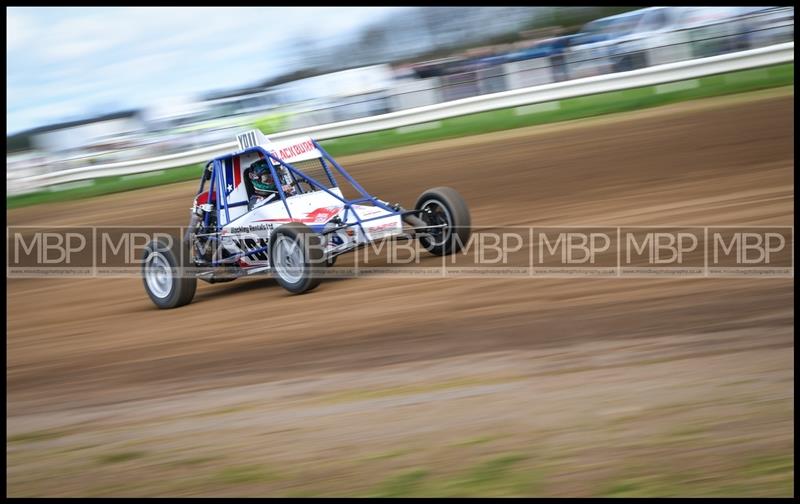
446, 230
158, 275
288, 259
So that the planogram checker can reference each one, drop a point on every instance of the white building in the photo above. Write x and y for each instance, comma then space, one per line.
76, 135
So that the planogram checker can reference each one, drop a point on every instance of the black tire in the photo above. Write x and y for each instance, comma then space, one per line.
178, 288
447, 207
296, 274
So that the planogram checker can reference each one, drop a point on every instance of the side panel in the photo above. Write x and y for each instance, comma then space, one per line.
253, 229
377, 228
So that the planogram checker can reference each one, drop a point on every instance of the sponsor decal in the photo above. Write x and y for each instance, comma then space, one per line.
251, 228
295, 150
255, 246
382, 227
318, 216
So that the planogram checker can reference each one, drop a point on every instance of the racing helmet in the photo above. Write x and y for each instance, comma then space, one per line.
260, 167
261, 185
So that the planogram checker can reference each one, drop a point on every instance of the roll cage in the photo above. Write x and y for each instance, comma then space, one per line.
217, 196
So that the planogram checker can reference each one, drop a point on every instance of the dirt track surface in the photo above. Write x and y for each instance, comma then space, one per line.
580, 379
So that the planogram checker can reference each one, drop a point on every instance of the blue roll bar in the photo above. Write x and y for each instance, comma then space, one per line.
221, 202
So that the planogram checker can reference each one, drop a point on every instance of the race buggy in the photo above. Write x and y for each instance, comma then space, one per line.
297, 232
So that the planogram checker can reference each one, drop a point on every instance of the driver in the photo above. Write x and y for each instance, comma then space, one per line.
263, 185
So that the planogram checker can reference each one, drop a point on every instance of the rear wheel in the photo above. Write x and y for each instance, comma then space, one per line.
296, 257
447, 214
165, 280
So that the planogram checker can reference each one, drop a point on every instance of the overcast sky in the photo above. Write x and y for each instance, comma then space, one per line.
65, 63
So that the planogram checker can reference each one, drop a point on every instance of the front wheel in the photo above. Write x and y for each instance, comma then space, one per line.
296, 256
447, 214
165, 280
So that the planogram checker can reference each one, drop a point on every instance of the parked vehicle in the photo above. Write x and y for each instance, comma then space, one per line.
763, 26
590, 50
553, 48
653, 36
544, 49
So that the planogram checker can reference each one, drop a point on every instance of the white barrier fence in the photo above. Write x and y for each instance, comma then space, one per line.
763, 56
